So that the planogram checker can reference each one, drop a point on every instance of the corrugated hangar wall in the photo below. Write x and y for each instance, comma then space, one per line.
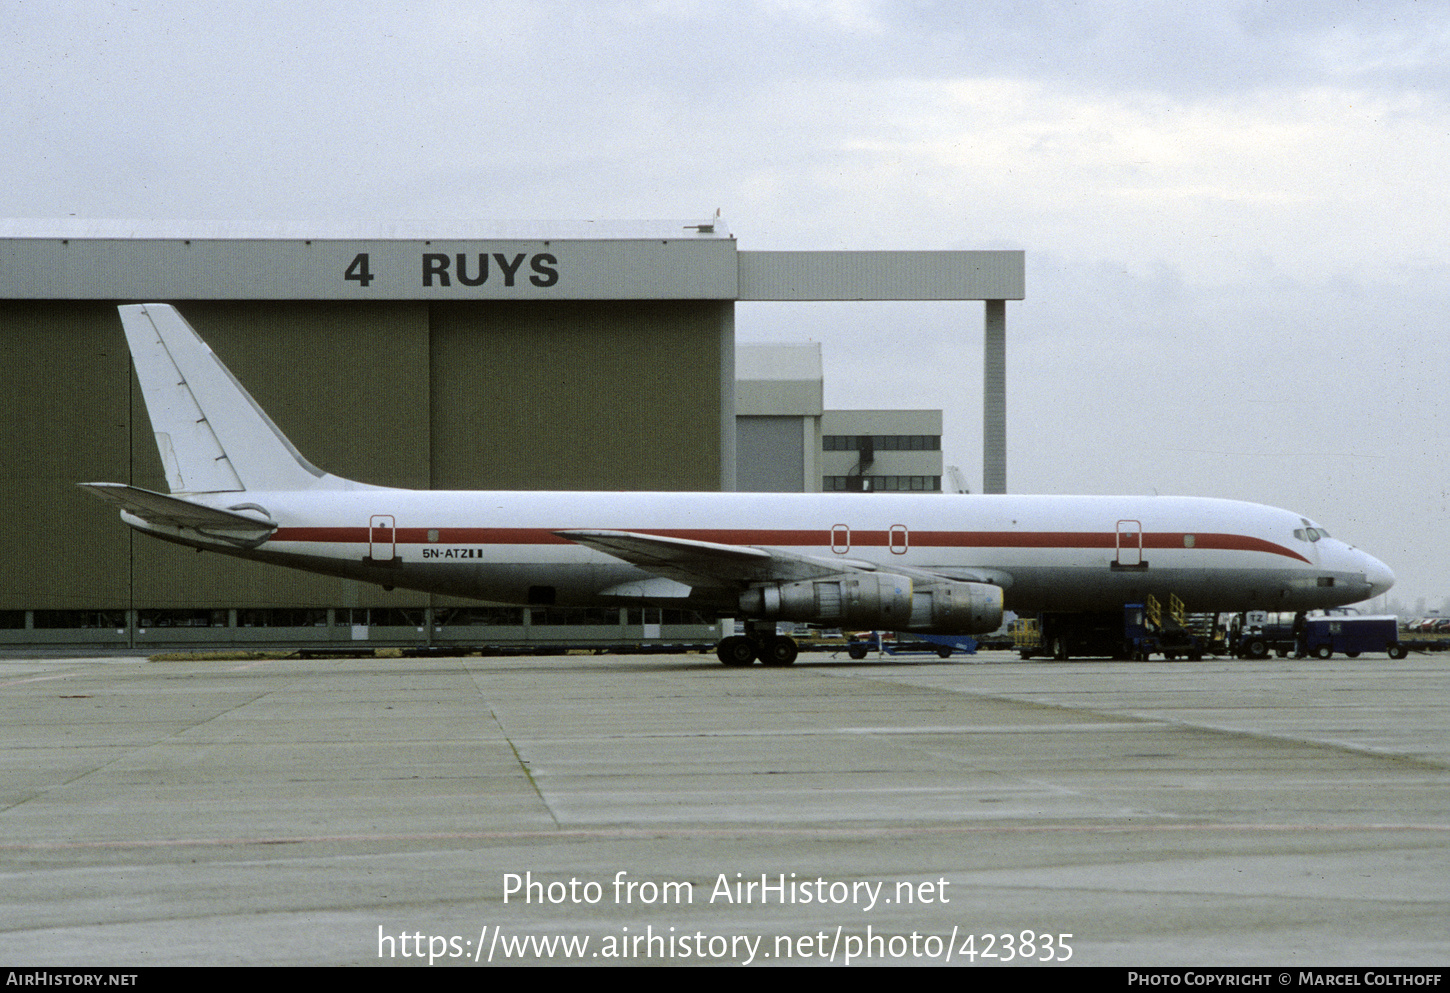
613, 395
578, 395
65, 386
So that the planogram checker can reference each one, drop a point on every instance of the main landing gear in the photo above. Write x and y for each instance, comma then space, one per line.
757, 643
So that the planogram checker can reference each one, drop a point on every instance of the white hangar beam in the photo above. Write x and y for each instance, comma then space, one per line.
881, 276
993, 277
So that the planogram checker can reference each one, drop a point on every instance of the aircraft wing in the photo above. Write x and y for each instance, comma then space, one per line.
170, 511
709, 564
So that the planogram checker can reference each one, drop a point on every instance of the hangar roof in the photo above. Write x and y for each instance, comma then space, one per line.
361, 230
83, 259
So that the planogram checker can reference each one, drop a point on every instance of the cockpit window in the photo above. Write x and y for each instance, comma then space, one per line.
1310, 534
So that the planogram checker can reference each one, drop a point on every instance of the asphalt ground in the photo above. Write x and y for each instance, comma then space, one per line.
666, 809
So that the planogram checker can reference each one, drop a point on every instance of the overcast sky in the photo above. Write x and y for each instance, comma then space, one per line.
1234, 214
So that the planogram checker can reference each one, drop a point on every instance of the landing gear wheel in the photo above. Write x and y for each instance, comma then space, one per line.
779, 652
735, 651
1059, 648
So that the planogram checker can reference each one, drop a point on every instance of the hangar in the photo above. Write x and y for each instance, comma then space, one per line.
446, 355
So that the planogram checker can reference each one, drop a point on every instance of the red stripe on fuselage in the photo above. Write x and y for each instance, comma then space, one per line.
786, 539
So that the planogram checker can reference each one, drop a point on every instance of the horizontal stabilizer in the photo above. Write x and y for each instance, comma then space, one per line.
158, 508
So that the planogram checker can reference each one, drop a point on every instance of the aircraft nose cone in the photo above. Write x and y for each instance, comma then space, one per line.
1378, 575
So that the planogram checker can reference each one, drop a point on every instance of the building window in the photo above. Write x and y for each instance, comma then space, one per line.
881, 484
881, 442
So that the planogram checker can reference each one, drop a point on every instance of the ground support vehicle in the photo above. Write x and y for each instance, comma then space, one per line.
861, 644
1352, 635
1136, 632
1114, 634
1258, 634
941, 645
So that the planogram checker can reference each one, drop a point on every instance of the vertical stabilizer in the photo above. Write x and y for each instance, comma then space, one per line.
211, 434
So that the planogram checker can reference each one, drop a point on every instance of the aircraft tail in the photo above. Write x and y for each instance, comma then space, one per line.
211, 434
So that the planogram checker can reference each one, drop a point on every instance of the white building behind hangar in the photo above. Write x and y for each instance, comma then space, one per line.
881, 451
788, 442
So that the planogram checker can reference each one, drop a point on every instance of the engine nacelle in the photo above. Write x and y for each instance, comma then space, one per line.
948, 607
866, 600
880, 600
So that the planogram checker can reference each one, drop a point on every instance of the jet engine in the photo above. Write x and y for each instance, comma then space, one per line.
948, 607
880, 600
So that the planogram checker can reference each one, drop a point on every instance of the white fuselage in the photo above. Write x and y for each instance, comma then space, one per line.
1048, 553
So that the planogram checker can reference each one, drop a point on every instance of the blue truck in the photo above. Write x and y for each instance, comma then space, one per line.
1351, 635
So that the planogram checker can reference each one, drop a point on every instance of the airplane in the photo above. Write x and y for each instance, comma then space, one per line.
948, 564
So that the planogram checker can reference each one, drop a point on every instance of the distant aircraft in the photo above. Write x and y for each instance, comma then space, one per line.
947, 564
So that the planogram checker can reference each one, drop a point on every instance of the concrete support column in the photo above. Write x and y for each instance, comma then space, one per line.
727, 400
994, 399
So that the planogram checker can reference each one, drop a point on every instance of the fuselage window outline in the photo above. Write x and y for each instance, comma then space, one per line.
899, 540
